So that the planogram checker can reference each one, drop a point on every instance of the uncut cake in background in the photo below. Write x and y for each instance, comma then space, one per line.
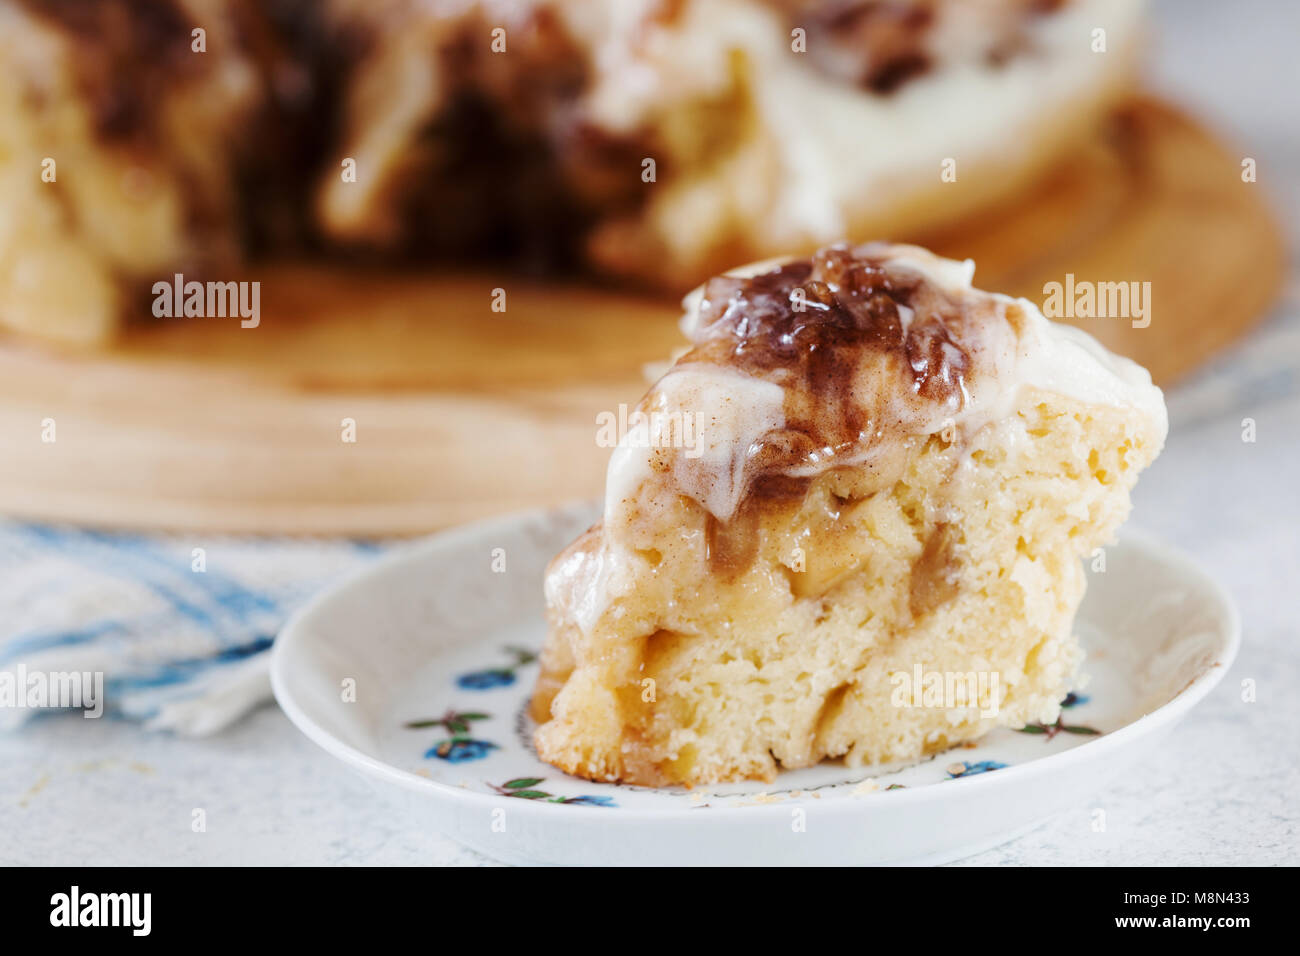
862, 466
655, 140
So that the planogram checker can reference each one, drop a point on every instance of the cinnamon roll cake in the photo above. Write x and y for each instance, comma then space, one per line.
654, 140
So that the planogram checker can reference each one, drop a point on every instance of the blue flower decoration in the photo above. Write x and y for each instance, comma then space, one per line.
461, 750
1074, 700
485, 680
969, 769
593, 801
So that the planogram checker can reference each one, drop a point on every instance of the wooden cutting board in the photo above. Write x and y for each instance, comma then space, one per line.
461, 411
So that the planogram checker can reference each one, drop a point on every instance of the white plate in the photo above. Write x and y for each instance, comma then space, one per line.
430, 630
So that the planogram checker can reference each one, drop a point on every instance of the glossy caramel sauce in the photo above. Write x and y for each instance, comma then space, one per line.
863, 350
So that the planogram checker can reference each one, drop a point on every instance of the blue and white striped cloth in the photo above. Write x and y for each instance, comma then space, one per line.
180, 635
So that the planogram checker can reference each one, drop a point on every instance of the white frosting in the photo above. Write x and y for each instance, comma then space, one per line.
828, 151
1068, 361
951, 275
724, 407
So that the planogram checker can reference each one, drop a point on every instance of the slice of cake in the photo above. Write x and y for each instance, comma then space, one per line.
864, 473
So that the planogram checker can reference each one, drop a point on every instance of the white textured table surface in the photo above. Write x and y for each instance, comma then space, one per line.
1222, 792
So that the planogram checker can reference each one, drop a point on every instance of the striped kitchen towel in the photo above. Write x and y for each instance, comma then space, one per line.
178, 626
